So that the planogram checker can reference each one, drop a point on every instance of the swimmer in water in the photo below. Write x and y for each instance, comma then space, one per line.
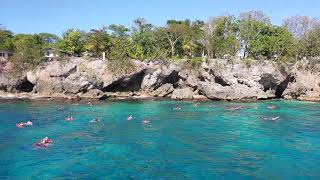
268, 118
29, 123
196, 104
95, 120
130, 117
43, 142
235, 108
69, 118
146, 121
177, 108
264, 118
20, 125
272, 107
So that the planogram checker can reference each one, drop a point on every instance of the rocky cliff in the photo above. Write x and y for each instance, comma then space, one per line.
212, 80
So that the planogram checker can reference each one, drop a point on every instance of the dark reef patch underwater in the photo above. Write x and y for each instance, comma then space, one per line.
210, 140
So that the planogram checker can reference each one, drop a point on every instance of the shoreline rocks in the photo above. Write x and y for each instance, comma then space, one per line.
213, 80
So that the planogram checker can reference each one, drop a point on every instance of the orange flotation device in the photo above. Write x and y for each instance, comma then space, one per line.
48, 141
20, 125
69, 119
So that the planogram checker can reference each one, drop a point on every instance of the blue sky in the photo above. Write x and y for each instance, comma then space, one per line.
55, 16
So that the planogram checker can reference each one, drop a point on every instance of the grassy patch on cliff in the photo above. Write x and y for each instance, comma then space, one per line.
119, 67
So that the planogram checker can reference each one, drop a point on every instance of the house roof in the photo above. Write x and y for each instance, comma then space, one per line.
5, 51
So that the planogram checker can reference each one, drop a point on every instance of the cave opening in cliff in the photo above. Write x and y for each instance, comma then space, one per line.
24, 86
126, 84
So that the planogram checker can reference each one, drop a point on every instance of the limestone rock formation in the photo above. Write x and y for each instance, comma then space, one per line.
185, 93
216, 79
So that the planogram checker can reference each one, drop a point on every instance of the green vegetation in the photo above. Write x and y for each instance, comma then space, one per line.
222, 36
251, 35
97, 41
73, 42
28, 51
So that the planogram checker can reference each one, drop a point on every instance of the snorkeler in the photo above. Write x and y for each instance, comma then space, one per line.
43, 142
29, 123
235, 108
95, 120
69, 118
146, 121
263, 118
270, 118
196, 104
130, 117
272, 107
21, 124
177, 108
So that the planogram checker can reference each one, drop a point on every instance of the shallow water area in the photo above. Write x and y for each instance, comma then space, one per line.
213, 140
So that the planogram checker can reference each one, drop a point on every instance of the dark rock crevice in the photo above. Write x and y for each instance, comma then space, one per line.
126, 84
283, 86
24, 85
172, 78
268, 82
220, 81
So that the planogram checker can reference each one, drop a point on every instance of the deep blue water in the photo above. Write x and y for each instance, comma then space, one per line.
204, 142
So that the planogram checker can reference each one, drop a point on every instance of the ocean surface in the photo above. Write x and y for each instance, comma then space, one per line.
213, 140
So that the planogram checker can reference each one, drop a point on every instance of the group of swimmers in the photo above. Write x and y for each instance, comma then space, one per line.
46, 141
95, 120
43, 143
271, 107
21, 125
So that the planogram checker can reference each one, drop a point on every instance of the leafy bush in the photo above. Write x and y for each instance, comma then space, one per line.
28, 52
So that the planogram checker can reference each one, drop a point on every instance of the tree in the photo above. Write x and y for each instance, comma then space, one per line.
251, 24
48, 38
174, 32
144, 40
121, 45
6, 40
258, 16
72, 42
312, 43
272, 41
120, 50
28, 51
221, 35
193, 39
119, 30
98, 41
300, 26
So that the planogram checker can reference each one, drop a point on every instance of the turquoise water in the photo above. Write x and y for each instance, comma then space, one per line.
203, 142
